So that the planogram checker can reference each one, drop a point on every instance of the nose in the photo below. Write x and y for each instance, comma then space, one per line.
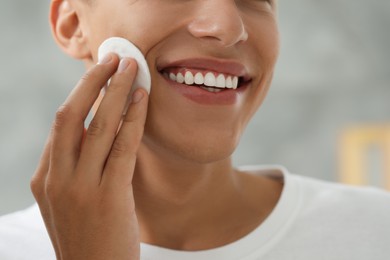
218, 21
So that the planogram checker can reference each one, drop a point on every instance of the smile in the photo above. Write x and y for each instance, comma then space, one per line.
211, 75
208, 80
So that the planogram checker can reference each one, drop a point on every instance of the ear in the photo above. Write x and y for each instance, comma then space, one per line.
66, 29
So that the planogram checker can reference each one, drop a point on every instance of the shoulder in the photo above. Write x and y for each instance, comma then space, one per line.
344, 216
353, 199
326, 220
23, 236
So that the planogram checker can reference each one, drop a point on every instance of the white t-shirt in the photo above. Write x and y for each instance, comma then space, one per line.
313, 220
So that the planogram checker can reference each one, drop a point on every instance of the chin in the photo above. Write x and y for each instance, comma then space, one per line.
205, 154
192, 148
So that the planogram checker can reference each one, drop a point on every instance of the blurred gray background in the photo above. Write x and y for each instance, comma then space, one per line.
333, 72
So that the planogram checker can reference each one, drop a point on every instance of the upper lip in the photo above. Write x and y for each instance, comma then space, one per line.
229, 67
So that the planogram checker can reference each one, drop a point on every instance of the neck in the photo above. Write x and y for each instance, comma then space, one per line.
187, 205
174, 192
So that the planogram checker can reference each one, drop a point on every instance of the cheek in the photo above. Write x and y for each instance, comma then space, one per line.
145, 23
265, 39
265, 42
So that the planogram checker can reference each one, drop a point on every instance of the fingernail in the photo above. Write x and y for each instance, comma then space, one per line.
106, 59
137, 96
123, 65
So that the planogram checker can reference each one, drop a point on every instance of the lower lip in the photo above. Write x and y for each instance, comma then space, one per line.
204, 97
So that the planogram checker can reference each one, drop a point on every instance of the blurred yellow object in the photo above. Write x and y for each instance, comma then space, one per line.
354, 146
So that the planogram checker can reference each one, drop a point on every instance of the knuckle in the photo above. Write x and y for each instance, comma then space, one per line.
63, 114
130, 119
135, 122
119, 86
52, 192
36, 186
120, 148
114, 86
87, 76
96, 127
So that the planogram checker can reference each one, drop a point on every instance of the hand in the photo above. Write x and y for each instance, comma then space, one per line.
83, 183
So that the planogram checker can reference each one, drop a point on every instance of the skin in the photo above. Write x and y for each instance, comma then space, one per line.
166, 176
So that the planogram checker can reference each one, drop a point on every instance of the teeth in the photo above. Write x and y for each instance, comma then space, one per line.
211, 89
209, 80
221, 81
172, 76
189, 78
235, 82
199, 79
180, 78
229, 83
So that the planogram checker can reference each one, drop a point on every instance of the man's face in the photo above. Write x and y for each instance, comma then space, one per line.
211, 36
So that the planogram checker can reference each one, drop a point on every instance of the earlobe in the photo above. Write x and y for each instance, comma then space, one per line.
66, 29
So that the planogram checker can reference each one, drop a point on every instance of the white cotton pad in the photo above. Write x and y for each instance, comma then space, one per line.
124, 48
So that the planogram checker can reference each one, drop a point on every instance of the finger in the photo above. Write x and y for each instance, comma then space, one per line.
103, 128
121, 161
38, 188
38, 180
68, 126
